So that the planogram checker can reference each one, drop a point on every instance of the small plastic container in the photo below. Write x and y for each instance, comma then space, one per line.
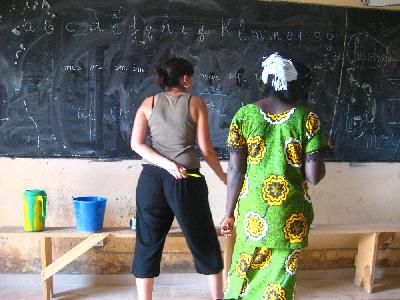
34, 210
132, 223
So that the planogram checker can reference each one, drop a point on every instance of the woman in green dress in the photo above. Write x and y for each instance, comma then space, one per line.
276, 148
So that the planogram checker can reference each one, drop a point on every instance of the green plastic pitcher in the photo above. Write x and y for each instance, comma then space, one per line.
34, 210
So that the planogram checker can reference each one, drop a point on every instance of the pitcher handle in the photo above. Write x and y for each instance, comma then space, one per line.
44, 198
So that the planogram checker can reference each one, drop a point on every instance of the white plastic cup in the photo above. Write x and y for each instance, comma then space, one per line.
132, 223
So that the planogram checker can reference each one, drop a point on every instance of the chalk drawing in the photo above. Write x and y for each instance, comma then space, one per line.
21, 50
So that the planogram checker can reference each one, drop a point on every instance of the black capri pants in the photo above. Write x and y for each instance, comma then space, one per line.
160, 197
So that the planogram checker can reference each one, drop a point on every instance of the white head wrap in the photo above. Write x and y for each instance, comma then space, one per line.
282, 69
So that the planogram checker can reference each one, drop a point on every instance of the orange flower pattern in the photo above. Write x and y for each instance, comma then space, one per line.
296, 228
256, 226
255, 149
245, 288
235, 137
243, 265
292, 262
261, 258
293, 152
313, 124
275, 190
274, 291
305, 188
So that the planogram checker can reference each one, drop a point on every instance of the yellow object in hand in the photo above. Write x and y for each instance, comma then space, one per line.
193, 175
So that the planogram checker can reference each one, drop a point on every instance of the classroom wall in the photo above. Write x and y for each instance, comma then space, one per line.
350, 193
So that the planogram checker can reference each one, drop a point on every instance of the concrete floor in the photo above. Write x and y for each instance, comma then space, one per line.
178, 286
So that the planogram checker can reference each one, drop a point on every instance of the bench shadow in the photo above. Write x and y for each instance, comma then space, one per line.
71, 294
385, 284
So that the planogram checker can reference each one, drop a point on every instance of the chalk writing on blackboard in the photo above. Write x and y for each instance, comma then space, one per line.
76, 72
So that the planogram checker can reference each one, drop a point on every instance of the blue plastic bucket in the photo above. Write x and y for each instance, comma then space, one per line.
89, 213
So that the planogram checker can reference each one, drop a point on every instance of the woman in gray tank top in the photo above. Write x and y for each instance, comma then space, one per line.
170, 184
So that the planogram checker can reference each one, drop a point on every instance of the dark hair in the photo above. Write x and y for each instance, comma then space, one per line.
169, 74
297, 89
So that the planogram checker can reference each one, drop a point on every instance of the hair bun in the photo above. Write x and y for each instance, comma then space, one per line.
169, 75
161, 77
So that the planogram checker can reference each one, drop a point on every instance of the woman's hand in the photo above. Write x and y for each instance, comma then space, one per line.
227, 225
175, 169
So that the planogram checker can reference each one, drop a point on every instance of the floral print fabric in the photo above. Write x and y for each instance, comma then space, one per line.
274, 208
264, 273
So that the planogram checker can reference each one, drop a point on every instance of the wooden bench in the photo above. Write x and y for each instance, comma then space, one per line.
364, 262
368, 237
367, 246
50, 267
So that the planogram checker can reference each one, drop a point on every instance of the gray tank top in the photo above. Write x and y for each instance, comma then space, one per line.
172, 130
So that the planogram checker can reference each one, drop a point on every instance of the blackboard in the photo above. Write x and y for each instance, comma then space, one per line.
73, 73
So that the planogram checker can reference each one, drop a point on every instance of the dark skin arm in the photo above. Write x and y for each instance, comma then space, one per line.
314, 167
236, 171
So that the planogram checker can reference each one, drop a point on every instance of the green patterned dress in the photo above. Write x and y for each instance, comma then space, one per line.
274, 211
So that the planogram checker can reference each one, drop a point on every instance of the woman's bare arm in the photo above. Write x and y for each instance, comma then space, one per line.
314, 167
236, 171
199, 114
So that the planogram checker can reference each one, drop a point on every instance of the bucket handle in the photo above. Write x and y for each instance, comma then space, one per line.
43, 198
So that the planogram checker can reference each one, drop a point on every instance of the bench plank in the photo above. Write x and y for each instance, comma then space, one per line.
320, 229
125, 232
72, 232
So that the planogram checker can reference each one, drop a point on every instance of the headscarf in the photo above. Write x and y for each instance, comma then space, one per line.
282, 69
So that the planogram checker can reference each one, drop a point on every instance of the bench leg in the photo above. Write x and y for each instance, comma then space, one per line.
365, 261
228, 251
46, 258
69, 256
